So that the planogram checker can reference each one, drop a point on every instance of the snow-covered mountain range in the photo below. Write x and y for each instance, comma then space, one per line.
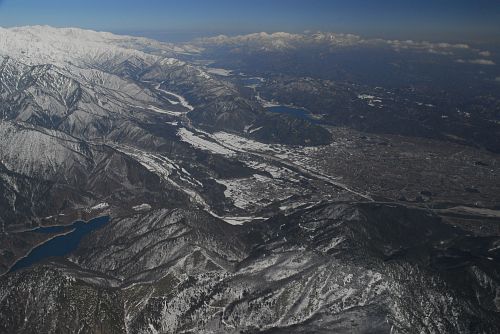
227, 216
280, 41
35, 45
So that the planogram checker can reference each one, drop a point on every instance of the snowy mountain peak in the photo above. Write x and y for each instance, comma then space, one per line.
72, 46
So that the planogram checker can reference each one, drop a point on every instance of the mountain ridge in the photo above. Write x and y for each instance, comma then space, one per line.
227, 217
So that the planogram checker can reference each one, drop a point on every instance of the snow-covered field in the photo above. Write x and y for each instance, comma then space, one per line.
242, 144
203, 143
181, 99
219, 71
167, 112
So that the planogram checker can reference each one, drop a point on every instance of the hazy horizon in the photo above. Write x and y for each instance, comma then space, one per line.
173, 21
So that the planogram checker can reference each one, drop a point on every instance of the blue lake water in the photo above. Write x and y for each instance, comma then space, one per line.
61, 245
294, 112
53, 229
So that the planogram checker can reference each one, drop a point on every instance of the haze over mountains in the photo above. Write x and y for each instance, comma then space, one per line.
366, 203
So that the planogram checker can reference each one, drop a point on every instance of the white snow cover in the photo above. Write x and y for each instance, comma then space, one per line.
100, 206
219, 71
62, 46
201, 143
43, 152
142, 207
239, 143
181, 99
163, 111
283, 41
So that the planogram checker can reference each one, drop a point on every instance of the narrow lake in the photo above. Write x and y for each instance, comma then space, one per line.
294, 112
61, 245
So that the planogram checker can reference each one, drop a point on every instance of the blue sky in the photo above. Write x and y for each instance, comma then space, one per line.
430, 19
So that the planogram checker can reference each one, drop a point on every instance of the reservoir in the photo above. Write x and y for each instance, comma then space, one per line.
294, 112
61, 245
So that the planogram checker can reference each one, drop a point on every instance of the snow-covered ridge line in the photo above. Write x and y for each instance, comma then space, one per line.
84, 48
283, 40
45, 44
